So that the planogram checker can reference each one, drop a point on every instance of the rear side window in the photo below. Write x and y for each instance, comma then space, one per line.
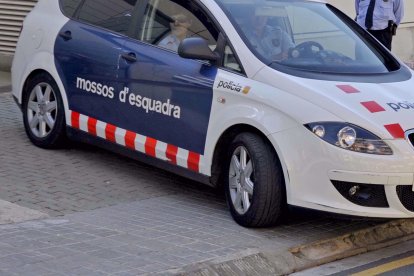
114, 15
69, 7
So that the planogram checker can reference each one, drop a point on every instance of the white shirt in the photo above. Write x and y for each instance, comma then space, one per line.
171, 42
384, 11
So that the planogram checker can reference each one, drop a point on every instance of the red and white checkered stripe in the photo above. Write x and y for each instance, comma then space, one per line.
137, 142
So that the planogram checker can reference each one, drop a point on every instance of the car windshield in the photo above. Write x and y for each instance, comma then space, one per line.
306, 35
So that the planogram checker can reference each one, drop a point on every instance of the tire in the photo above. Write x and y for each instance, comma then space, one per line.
43, 112
254, 182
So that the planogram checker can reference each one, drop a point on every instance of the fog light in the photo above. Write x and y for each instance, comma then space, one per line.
354, 190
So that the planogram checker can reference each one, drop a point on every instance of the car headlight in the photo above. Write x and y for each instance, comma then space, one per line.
350, 137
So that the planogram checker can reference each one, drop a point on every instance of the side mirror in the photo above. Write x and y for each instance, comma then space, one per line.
196, 48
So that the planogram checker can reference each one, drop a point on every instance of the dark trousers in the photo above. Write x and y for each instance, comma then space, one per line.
384, 36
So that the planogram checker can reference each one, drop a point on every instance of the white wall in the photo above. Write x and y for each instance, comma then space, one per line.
403, 43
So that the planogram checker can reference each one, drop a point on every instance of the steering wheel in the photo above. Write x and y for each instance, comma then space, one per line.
305, 49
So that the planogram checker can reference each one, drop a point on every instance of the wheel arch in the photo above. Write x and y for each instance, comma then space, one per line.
30, 73
223, 143
29, 78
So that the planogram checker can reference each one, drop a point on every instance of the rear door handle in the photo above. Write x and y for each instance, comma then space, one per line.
130, 57
66, 35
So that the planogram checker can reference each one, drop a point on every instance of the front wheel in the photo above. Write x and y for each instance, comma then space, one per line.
254, 187
43, 112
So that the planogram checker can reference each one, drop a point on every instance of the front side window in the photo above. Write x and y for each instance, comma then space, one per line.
114, 15
166, 23
307, 36
69, 7
230, 61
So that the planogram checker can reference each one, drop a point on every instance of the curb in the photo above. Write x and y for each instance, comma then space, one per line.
255, 262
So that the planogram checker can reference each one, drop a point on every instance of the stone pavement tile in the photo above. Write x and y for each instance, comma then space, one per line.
157, 267
152, 234
202, 247
133, 272
30, 270
6, 273
55, 240
200, 235
57, 252
176, 228
83, 247
163, 258
109, 266
180, 251
128, 238
177, 240
200, 257
83, 271
135, 250
25, 244
18, 260
79, 236
154, 244
106, 254
6, 249
133, 261
67, 264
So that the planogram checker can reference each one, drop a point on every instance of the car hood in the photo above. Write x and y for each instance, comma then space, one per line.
386, 109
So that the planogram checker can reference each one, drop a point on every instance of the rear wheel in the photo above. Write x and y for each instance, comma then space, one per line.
43, 112
255, 185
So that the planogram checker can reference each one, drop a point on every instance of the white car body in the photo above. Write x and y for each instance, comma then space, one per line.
278, 105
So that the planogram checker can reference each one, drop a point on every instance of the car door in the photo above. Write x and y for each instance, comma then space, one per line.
88, 52
169, 98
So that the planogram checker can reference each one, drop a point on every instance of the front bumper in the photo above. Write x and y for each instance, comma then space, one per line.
312, 167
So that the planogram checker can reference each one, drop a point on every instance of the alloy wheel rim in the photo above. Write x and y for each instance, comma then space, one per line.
241, 184
42, 110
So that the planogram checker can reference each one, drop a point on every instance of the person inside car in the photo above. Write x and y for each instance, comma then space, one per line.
270, 41
179, 30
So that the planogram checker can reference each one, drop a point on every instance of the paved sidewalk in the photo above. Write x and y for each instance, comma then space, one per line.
5, 82
148, 236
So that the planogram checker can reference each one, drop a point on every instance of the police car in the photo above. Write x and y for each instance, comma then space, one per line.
279, 102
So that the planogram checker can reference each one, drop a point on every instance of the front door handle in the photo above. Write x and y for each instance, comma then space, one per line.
130, 57
66, 35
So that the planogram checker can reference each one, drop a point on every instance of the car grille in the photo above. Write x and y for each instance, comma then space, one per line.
369, 195
406, 196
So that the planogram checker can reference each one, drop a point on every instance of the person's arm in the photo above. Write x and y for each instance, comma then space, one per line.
398, 11
287, 42
356, 8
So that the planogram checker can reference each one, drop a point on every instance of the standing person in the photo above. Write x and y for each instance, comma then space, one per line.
380, 18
